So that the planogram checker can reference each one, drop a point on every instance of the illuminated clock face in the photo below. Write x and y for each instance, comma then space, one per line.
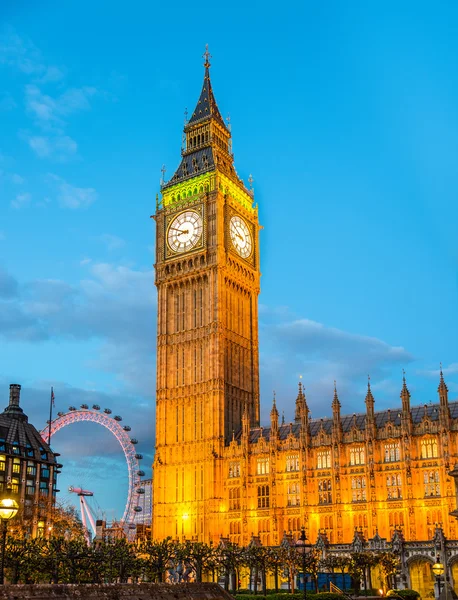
240, 236
185, 231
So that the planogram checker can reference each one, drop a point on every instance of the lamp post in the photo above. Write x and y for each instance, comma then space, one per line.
8, 510
438, 569
303, 546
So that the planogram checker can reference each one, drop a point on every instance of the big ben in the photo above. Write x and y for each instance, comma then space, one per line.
208, 282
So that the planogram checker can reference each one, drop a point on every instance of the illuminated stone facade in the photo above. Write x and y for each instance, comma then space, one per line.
216, 471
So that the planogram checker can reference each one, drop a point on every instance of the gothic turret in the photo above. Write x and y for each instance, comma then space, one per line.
300, 404
370, 413
336, 420
274, 421
406, 416
444, 410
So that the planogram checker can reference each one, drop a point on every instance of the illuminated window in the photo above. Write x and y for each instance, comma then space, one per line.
262, 466
234, 499
324, 491
292, 462
294, 525
360, 520
30, 487
16, 465
358, 486
2, 462
429, 448
357, 455
324, 459
432, 483
394, 486
234, 469
293, 497
396, 521
392, 452
31, 468
263, 496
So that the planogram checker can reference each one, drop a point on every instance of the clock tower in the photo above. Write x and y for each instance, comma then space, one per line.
207, 278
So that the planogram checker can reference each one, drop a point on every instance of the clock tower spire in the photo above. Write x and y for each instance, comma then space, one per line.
207, 278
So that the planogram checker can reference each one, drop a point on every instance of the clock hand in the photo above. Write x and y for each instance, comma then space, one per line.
180, 230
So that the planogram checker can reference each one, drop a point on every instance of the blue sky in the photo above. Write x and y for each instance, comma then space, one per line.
346, 114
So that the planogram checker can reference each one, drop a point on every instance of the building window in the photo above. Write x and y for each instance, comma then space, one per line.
30, 487
394, 486
15, 485
263, 496
429, 448
358, 486
262, 466
16, 449
293, 497
234, 499
395, 520
392, 452
16, 465
31, 468
324, 459
2, 462
357, 455
292, 463
432, 483
324, 491
234, 469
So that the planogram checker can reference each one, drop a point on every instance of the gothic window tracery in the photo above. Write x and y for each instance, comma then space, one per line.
394, 486
392, 452
234, 469
431, 482
357, 455
292, 463
358, 486
262, 466
429, 448
234, 498
263, 496
324, 491
324, 459
293, 495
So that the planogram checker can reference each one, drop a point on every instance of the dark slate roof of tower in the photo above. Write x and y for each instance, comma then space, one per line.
206, 105
15, 430
193, 164
348, 422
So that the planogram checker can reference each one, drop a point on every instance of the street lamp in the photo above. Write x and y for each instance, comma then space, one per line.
303, 546
438, 569
8, 510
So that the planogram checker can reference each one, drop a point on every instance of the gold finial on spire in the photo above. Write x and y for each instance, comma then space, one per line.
275, 397
403, 375
207, 57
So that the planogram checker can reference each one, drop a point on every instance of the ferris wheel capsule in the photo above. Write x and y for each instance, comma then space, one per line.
140, 490
139, 456
134, 441
127, 428
117, 418
141, 473
107, 411
84, 406
72, 408
137, 508
96, 407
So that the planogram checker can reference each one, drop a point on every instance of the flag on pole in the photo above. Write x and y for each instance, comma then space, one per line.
52, 398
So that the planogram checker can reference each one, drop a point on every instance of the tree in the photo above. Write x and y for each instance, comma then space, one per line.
200, 557
275, 563
158, 557
389, 565
229, 559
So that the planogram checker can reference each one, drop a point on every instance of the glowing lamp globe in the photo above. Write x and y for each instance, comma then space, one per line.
8, 509
438, 569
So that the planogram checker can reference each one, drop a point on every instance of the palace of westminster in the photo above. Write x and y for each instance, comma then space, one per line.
375, 475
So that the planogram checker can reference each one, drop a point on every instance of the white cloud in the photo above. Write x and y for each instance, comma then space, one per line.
21, 200
59, 147
17, 179
20, 53
49, 111
70, 196
112, 242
